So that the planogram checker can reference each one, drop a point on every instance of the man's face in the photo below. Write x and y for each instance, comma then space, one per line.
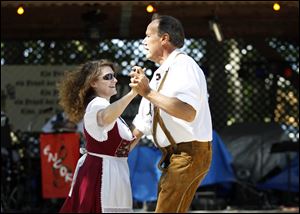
153, 42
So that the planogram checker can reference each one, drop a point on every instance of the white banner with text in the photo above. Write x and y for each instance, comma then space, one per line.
29, 95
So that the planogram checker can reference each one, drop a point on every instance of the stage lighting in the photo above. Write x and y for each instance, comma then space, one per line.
276, 6
20, 10
215, 27
150, 8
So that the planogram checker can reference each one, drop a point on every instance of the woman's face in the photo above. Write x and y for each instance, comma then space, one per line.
105, 84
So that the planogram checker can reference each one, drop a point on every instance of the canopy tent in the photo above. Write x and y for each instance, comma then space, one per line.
145, 174
287, 180
250, 145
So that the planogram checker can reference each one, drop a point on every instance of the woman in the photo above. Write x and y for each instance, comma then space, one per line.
101, 179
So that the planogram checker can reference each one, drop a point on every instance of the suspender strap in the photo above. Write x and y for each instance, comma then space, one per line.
163, 150
158, 120
155, 122
156, 112
167, 133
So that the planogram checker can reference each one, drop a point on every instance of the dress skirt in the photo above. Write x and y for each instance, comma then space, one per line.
108, 190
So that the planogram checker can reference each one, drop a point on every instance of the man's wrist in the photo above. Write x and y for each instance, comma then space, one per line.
148, 93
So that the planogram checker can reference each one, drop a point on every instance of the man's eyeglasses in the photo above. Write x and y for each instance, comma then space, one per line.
109, 76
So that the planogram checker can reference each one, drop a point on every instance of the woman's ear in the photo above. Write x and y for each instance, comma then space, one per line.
93, 84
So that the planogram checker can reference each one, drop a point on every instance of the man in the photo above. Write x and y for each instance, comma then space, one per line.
175, 110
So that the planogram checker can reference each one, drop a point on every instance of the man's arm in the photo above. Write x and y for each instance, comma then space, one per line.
172, 106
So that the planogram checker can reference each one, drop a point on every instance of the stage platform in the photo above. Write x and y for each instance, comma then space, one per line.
230, 210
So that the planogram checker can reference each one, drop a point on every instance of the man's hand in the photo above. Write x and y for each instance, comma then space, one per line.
139, 81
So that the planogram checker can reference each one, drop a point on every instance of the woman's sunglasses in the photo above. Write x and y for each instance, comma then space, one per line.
109, 76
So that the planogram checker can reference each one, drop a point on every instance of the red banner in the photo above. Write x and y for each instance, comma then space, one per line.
59, 154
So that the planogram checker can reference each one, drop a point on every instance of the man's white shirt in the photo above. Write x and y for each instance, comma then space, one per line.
186, 82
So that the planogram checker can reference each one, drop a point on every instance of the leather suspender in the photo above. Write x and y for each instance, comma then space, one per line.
158, 120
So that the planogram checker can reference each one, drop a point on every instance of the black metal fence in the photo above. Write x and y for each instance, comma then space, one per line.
244, 84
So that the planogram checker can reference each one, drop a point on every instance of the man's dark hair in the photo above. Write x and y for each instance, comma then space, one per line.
171, 26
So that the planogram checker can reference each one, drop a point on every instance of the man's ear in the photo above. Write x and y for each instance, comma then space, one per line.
165, 38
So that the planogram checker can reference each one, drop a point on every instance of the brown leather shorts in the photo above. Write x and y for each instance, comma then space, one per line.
180, 147
184, 169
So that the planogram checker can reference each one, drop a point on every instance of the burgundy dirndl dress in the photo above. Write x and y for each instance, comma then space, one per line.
101, 181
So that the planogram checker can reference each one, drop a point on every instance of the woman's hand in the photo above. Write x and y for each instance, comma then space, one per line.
139, 81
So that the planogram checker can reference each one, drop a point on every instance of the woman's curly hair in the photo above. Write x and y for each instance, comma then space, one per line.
75, 91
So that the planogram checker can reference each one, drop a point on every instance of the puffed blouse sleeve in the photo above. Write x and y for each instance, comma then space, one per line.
99, 133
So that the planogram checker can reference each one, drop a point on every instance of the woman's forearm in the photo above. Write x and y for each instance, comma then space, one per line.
113, 111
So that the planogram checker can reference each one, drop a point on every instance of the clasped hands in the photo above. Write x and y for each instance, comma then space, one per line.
139, 82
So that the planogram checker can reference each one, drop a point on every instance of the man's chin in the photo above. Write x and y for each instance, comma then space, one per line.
148, 56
